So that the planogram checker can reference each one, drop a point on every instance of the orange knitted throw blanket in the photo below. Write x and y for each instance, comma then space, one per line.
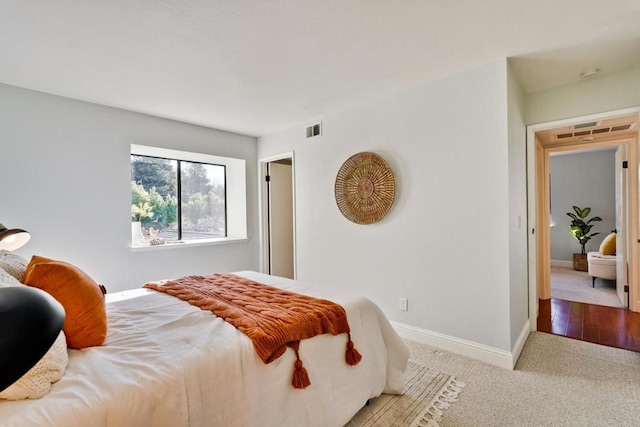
272, 318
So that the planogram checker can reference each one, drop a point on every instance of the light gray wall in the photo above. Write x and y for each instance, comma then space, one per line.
518, 266
582, 179
66, 178
445, 244
607, 93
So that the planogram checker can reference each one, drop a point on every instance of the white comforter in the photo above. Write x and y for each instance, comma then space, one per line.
167, 363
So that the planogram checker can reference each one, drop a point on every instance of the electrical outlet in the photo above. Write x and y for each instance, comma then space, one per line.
404, 304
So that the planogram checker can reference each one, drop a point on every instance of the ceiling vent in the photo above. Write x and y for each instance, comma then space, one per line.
601, 130
314, 130
564, 135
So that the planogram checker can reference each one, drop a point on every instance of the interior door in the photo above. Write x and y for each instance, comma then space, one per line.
280, 190
622, 281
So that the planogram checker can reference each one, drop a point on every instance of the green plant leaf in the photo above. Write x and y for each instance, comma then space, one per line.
573, 216
576, 231
585, 212
595, 218
578, 211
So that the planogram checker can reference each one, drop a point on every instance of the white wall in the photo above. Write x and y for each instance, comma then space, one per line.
607, 93
66, 178
518, 267
581, 179
445, 243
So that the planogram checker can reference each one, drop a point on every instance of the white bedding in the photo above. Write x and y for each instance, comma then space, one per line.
167, 363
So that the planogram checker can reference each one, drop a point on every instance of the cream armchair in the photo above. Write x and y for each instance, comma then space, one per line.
602, 266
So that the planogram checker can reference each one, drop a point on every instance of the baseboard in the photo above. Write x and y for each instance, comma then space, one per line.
519, 345
484, 353
561, 263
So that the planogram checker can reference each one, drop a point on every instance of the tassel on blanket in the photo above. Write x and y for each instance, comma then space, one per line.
352, 356
300, 375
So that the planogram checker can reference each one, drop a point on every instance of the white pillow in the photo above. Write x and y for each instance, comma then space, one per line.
7, 280
13, 264
37, 381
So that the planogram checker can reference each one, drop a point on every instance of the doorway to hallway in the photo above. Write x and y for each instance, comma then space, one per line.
278, 215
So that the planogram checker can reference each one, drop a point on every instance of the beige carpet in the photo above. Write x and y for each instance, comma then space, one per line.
427, 395
571, 285
557, 382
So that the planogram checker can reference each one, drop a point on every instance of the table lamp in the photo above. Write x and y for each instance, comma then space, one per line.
30, 320
13, 239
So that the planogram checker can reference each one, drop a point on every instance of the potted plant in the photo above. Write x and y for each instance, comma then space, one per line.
581, 229
141, 209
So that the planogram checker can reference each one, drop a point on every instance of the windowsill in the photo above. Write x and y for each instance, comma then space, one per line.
190, 244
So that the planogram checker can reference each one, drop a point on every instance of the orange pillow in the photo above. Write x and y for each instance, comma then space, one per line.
85, 324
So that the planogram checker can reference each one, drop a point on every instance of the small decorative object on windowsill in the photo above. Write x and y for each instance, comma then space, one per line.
581, 230
156, 241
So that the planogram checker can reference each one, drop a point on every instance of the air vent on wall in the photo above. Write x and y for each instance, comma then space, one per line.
314, 130
621, 127
594, 131
585, 125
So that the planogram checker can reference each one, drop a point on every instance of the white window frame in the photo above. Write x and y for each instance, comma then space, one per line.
236, 195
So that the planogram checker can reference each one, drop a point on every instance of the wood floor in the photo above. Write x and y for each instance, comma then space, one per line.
613, 327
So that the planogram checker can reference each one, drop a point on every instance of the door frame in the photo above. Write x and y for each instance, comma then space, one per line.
538, 222
263, 211
622, 222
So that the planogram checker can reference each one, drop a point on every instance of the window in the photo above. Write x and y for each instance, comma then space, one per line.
183, 197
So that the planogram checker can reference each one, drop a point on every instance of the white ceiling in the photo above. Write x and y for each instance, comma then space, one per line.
257, 66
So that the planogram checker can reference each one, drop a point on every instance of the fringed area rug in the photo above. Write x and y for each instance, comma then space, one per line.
426, 395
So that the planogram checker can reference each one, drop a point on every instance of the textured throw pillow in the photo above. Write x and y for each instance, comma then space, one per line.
13, 264
7, 280
37, 381
608, 245
85, 324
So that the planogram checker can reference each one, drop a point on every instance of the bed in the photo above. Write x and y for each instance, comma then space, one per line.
167, 363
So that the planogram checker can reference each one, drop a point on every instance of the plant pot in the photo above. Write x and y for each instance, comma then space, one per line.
136, 232
580, 262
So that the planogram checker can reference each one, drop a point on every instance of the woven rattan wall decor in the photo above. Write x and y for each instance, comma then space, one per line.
365, 188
